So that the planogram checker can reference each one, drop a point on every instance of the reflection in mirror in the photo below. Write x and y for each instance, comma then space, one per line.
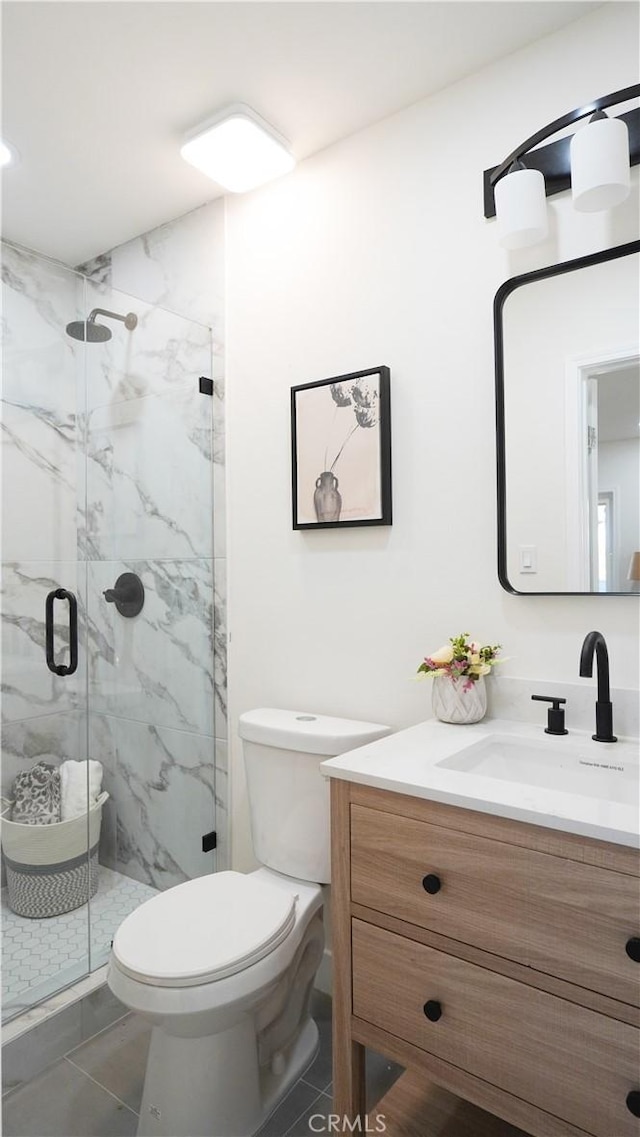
612, 403
568, 413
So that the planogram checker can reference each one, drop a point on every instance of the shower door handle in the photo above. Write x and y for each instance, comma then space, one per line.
60, 668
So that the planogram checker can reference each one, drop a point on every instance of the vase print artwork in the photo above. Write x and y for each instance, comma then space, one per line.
327, 499
341, 451
361, 397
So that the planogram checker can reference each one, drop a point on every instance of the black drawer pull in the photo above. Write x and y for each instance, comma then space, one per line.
633, 1103
431, 883
433, 1011
632, 948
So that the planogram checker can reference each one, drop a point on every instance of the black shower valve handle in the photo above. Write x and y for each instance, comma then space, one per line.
555, 713
127, 594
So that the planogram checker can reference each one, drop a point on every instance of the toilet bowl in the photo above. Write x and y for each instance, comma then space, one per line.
223, 966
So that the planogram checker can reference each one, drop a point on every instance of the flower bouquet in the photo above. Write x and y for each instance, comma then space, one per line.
458, 669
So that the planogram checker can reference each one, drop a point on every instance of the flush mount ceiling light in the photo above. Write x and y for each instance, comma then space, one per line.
238, 149
595, 162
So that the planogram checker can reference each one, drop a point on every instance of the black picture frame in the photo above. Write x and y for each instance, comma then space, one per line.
343, 421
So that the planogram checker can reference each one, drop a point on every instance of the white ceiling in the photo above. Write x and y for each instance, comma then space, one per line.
96, 97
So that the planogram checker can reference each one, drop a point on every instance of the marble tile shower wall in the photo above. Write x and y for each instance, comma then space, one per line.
158, 701
143, 503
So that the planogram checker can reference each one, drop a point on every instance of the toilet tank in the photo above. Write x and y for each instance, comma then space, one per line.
288, 796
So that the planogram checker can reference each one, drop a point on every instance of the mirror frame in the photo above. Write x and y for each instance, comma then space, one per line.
501, 295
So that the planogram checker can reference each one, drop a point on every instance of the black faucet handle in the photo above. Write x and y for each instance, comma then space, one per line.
555, 714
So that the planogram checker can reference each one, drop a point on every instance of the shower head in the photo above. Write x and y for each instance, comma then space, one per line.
91, 332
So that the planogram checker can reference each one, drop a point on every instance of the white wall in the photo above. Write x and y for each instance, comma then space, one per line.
376, 252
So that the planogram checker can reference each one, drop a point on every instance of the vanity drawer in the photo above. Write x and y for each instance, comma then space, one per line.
565, 1059
560, 916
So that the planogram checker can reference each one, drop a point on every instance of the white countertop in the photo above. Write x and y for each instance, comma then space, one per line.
608, 808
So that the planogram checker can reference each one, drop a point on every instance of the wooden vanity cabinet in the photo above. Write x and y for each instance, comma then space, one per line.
496, 961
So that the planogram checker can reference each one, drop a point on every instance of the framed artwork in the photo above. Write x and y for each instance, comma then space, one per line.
341, 451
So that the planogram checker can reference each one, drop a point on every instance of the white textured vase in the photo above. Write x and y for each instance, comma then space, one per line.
451, 702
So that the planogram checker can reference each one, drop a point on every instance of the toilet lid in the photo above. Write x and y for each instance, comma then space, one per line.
204, 930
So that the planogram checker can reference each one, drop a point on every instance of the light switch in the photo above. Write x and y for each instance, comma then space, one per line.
528, 558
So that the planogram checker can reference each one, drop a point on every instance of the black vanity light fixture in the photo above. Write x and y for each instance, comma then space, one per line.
595, 162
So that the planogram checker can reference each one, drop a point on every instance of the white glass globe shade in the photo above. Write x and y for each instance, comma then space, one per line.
600, 175
521, 209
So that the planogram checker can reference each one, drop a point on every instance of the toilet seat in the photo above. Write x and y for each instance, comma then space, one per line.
204, 930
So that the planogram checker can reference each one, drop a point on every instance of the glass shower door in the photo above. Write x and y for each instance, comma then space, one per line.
107, 462
45, 943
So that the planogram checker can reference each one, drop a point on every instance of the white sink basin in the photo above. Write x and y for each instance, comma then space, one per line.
608, 771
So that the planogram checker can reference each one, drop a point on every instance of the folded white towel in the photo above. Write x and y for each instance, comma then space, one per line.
73, 787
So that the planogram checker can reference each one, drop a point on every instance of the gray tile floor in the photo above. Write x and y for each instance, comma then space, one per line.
95, 1090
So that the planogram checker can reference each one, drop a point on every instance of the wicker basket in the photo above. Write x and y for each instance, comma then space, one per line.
50, 870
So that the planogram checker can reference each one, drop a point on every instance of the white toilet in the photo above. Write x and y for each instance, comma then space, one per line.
223, 966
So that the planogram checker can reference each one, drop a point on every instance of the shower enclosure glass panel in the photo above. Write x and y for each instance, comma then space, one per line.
149, 512
43, 714
107, 464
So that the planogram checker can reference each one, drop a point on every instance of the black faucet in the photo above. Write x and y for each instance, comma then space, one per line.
594, 642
